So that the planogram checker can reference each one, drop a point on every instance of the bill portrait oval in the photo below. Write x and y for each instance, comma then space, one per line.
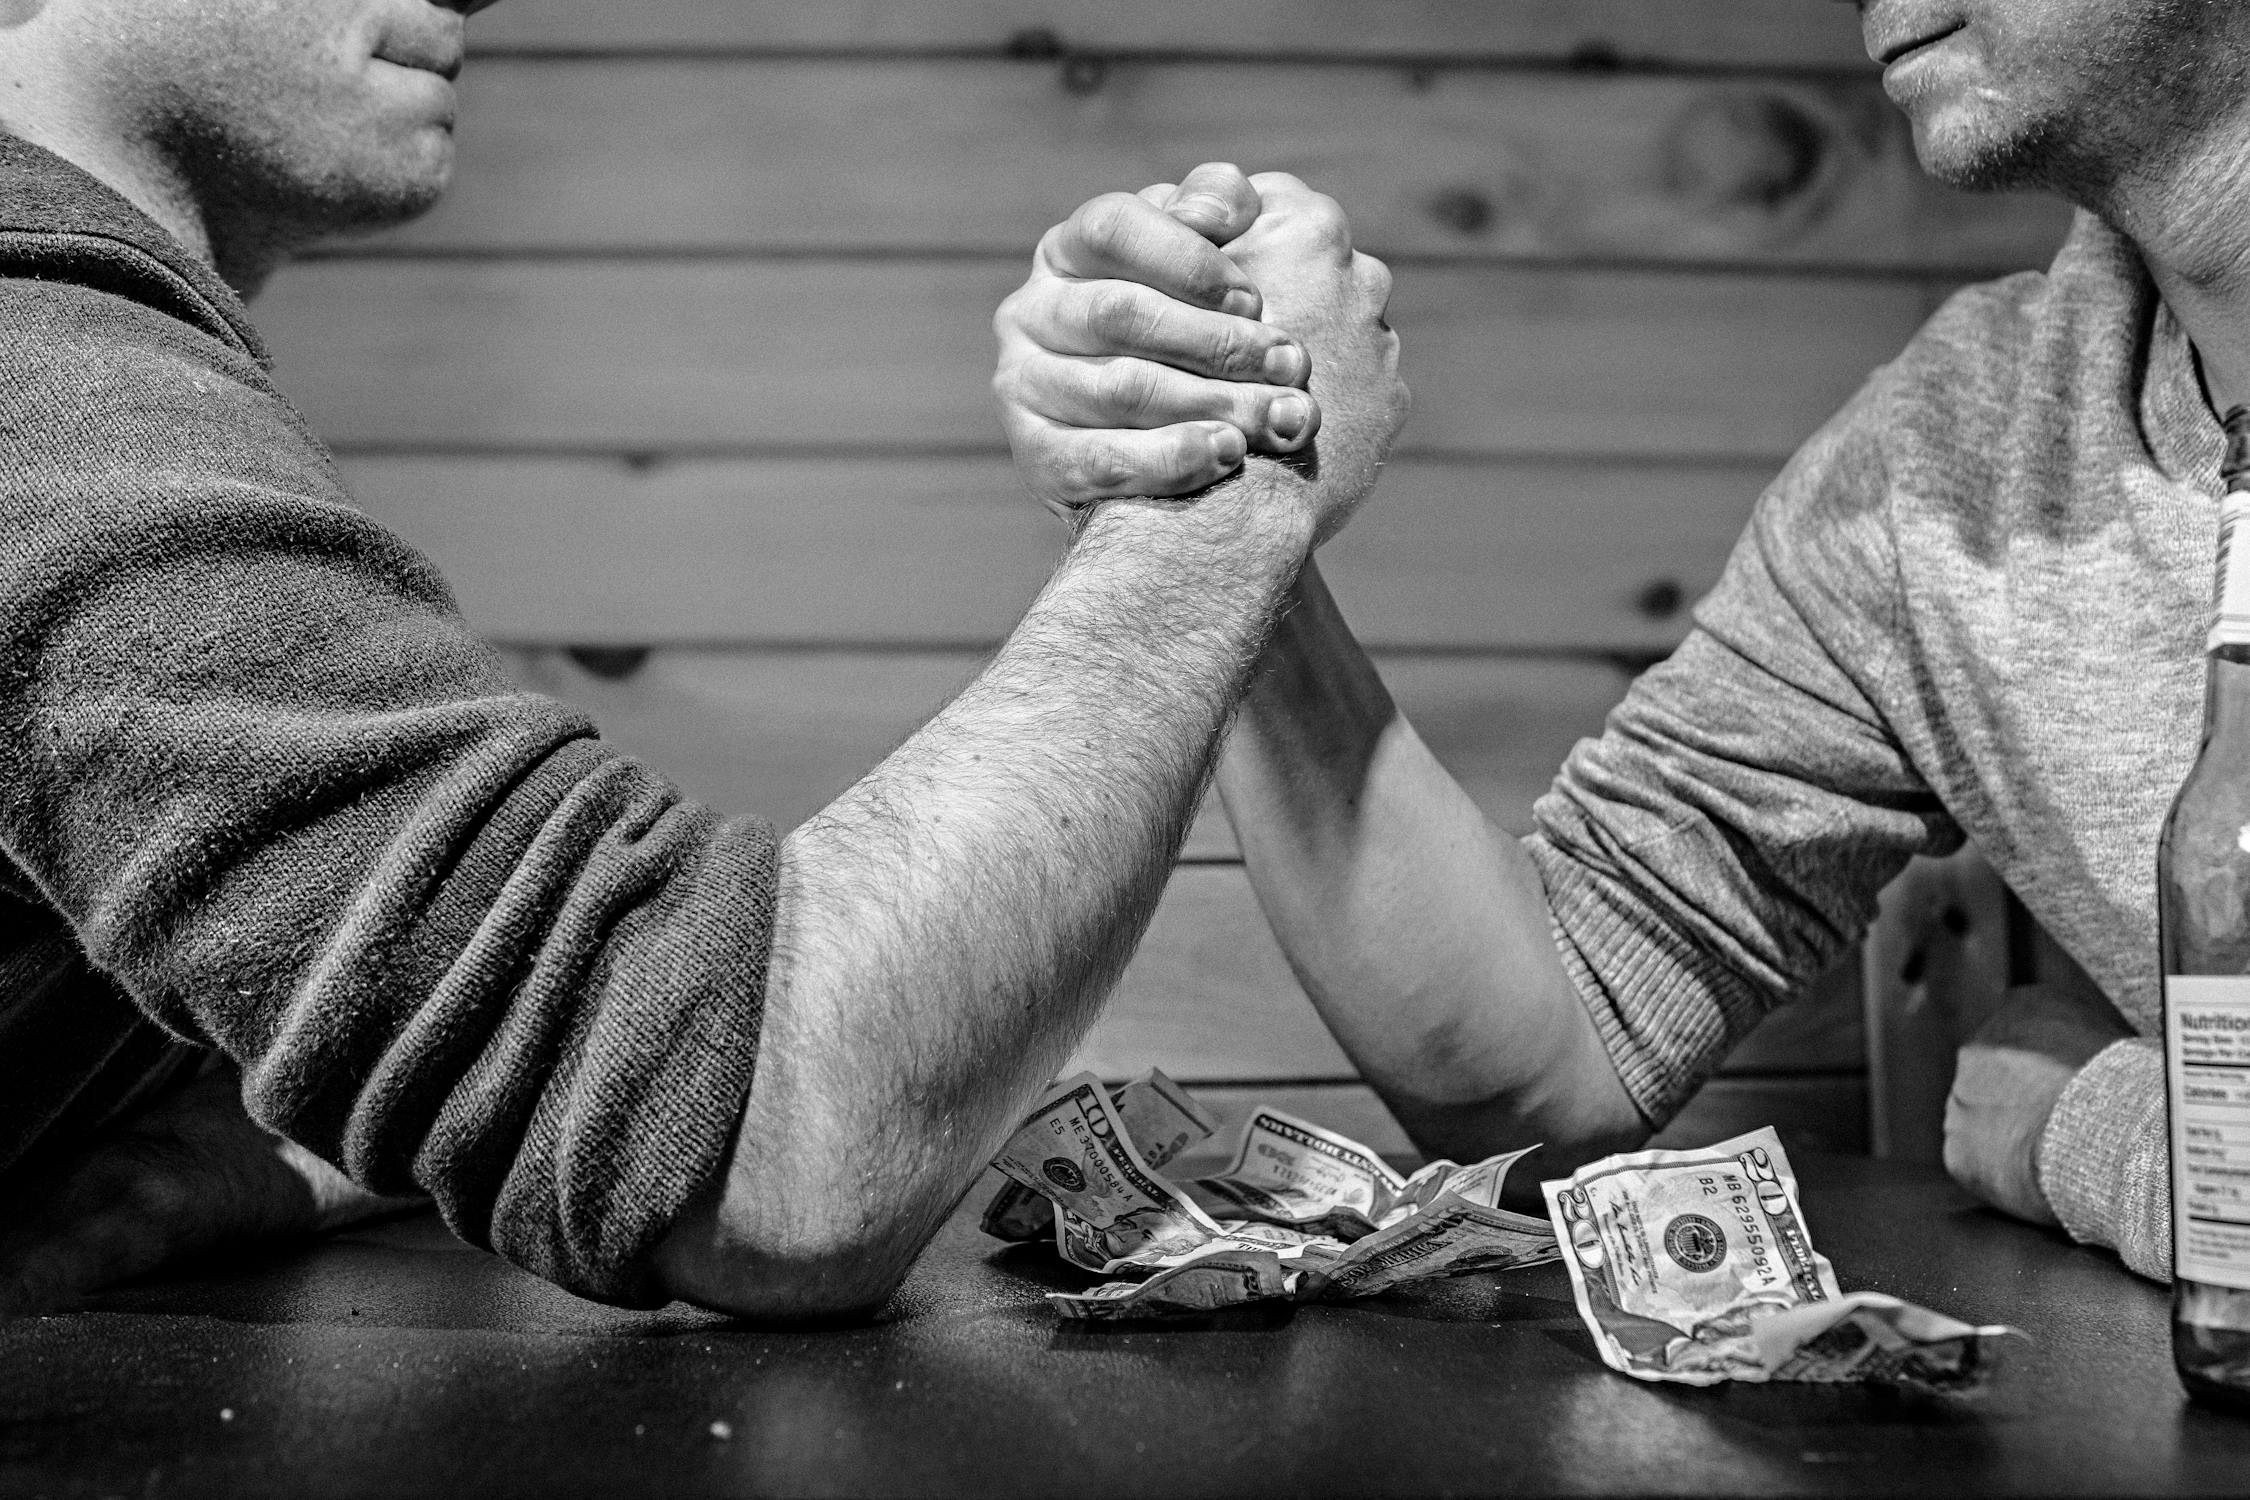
1695, 1243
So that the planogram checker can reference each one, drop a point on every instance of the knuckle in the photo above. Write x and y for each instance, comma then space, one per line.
1007, 386
1127, 390
1014, 309
1238, 350
1207, 281
1107, 222
1187, 459
1375, 274
1017, 387
1053, 246
1034, 455
1100, 470
1111, 315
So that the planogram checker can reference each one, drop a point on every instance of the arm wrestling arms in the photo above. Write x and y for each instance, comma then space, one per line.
949, 925
1355, 837
1396, 901
1718, 847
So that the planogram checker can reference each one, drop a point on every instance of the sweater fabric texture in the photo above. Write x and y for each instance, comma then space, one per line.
1972, 606
262, 792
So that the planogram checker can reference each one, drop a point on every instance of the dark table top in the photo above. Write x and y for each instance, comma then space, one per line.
395, 1360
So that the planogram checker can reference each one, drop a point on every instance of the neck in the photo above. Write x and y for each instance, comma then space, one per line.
158, 194
2190, 219
37, 103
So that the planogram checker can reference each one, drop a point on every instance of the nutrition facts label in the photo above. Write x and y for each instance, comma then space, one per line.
2207, 1063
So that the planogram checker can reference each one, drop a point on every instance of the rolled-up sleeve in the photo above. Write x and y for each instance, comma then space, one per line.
1724, 839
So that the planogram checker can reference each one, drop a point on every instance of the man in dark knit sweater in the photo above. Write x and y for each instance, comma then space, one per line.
282, 850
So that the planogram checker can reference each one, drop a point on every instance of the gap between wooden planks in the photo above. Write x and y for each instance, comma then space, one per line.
892, 355
1507, 553
782, 733
846, 156
1209, 997
1591, 33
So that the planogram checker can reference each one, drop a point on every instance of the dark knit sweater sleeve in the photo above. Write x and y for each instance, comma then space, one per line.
278, 793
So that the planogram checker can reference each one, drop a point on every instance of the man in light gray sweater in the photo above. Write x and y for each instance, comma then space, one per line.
1971, 607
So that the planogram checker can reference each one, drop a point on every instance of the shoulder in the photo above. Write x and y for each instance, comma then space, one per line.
111, 353
2000, 368
1921, 455
128, 429
2036, 349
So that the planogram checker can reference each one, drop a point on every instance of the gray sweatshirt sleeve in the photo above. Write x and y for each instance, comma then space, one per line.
1723, 841
2103, 1158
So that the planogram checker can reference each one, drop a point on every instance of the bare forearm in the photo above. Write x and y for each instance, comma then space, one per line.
948, 927
1420, 931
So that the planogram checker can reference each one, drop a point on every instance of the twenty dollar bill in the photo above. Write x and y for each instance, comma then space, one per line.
1696, 1266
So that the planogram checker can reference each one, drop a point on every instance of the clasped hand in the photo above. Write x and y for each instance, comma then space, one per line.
1165, 336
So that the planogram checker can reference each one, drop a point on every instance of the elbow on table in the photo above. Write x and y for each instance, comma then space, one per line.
828, 1293
810, 1276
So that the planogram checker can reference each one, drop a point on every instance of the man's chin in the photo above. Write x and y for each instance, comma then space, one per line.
1975, 157
383, 199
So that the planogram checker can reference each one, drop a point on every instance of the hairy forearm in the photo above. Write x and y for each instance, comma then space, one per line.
948, 927
1420, 931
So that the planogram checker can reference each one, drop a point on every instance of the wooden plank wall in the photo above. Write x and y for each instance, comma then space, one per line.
685, 385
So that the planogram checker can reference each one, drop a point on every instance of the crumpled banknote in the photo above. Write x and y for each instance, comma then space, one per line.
1301, 1212
1695, 1266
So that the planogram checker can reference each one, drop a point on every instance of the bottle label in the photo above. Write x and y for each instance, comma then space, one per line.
2231, 626
2207, 1068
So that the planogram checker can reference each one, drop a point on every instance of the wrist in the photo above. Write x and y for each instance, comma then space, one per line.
1257, 515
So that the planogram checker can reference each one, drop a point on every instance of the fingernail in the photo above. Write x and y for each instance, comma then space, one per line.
1285, 364
1206, 205
1228, 445
1240, 303
1288, 416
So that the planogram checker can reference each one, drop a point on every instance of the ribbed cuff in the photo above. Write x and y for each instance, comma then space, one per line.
2102, 1159
1666, 1010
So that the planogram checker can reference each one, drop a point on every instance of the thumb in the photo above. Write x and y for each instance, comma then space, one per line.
1216, 201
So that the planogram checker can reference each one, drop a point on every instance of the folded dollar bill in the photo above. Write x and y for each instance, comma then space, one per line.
1302, 1212
1451, 1237
1205, 1282
1292, 1173
1696, 1266
1159, 1118
1111, 1205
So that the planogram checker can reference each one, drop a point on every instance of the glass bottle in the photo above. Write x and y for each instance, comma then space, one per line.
2203, 921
